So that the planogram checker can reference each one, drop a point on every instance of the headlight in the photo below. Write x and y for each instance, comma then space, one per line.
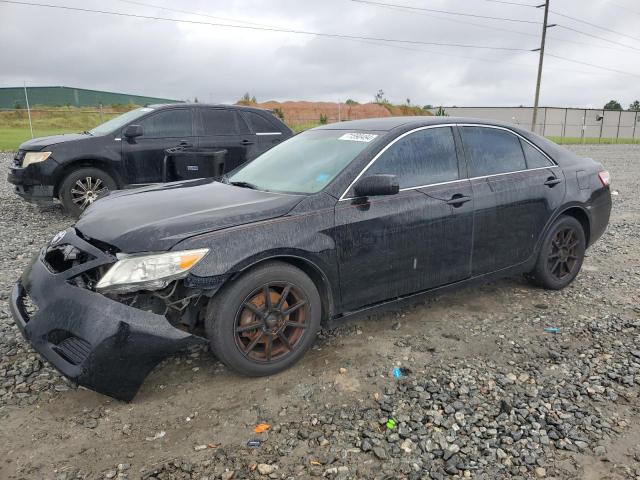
149, 272
34, 157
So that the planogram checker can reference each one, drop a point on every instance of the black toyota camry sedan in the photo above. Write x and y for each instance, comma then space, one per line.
339, 220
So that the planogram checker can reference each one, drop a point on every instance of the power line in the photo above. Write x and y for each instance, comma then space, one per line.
575, 30
637, 39
513, 3
490, 27
448, 12
265, 29
301, 32
592, 65
501, 61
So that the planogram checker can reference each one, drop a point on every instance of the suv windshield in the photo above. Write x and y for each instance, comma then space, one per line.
305, 163
119, 121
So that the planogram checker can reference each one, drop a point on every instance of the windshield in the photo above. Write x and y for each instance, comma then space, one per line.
120, 121
305, 163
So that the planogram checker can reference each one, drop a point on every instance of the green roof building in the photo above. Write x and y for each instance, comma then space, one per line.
13, 97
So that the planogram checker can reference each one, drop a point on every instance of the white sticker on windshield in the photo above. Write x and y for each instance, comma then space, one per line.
358, 137
146, 109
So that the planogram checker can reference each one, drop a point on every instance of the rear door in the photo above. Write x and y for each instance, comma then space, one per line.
515, 195
166, 128
222, 128
418, 239
267, 133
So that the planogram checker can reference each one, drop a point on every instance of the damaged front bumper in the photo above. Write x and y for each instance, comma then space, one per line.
97, 342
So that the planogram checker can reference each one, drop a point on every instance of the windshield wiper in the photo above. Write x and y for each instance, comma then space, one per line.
87, 132
244, 185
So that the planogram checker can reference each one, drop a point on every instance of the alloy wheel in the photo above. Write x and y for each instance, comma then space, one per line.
563, 255
271, 322
87, 190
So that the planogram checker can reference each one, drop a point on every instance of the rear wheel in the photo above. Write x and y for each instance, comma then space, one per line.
82, 187
265, 320
561, 254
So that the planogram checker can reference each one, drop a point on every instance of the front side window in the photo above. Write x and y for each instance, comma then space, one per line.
491, 151
168, 123
421, 158
305, 163
120, 121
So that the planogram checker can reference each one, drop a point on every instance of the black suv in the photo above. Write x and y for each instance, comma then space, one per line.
131, 150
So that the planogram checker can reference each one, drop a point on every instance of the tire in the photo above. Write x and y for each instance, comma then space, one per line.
561, 254
249, 352
70, 192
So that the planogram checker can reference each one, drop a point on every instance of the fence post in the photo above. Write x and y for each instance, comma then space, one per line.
601, 126
635, 122
564, 125
584, 124
618, 130
26, 97
101, 120
544, 122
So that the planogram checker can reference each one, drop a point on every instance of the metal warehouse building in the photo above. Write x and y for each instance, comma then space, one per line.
13, 97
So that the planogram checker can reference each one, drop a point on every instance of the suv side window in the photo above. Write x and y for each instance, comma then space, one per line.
421, 158
491, 151
168, 123
220, 121
535, 159
259, 124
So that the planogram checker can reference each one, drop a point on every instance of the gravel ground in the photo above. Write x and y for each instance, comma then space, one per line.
484, 393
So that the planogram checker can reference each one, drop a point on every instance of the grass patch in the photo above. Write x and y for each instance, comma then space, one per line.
593, 141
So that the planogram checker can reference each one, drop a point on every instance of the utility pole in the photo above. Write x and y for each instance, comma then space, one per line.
541, 49
26, 98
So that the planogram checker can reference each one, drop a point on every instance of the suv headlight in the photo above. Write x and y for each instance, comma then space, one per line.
34, 157
149, 272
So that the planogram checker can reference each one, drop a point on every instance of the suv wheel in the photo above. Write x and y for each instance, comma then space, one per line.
265, 320
82, 187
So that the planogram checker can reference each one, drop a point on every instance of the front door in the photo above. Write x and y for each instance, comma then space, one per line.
144, 155
222, 129
418, 239
515, 195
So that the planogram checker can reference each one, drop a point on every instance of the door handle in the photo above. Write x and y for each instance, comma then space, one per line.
184, 143
552, 181
246, 142
458, 200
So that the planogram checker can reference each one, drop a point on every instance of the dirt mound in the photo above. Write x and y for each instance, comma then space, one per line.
300, 113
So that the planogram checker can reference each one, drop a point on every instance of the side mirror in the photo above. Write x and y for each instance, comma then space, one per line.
133, 131
377, 185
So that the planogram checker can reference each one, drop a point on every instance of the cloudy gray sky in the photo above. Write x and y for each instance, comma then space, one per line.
45, 46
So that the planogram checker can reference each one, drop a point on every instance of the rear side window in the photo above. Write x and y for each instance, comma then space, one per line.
535, 159
421, 158
168, 123
491, 151
259, 124
218, 121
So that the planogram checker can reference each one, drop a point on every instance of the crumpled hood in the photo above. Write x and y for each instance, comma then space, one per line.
155, 218
41, 142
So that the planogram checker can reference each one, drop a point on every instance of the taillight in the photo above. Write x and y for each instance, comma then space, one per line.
604, 178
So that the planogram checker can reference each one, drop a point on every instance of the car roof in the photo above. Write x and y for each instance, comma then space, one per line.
389, 123
217, 105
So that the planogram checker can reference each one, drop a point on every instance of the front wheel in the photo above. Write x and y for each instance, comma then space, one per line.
561, 254
264, 321
82, 187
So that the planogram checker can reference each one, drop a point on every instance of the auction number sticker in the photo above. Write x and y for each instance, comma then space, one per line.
358, 137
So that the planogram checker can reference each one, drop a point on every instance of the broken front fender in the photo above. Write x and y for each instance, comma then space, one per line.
95, 341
